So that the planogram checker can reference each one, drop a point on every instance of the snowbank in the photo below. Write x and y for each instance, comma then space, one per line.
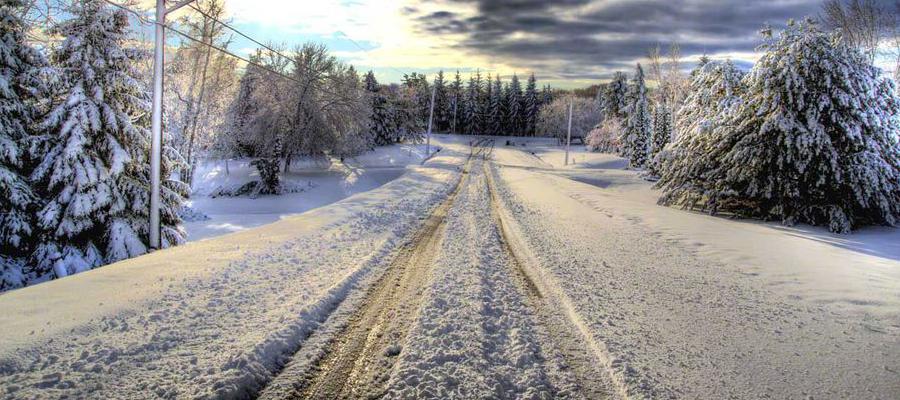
310, 183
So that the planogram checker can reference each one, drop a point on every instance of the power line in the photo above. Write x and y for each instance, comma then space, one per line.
293, 60
360, 47
235, 30
142, 19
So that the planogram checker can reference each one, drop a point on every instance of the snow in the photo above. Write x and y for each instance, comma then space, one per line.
475, 336
313, 183
214, 318
695, 306
659, 302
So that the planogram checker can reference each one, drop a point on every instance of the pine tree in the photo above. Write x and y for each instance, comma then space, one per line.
662, 133
20, 84
615, 97
94, 170
495, 112
441, 111
470, 113
636, 140
531, 106
381, 115
456, 106
487, 93
240, 114
514, 113
662, 129
815, 140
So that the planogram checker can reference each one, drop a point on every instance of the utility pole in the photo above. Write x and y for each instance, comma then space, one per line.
569, 134
156, 124
430, 117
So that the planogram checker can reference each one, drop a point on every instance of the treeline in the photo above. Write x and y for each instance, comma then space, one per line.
810, 135
483, 105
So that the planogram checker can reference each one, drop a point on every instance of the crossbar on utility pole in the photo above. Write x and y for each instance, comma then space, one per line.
156, 116
569, 134
430, 116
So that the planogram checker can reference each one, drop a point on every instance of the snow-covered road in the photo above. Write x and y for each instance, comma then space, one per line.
518, 278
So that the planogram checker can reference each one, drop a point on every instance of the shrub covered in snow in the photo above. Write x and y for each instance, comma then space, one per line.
814, 140
606, 137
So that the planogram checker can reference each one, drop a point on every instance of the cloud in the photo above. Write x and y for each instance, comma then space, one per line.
585, 39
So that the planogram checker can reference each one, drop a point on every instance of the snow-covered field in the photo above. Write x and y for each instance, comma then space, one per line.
314, 183
545, 281
693, 306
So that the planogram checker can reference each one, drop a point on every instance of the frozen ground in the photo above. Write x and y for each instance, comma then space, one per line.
317, 183
520, 278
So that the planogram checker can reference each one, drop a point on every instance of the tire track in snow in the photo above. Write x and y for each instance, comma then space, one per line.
357, 361
571, 336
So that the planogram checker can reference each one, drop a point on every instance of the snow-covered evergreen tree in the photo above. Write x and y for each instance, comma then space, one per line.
456, 106
531, 105
687, 173
495, 110
441, 112
514, 113
470, 111
240, 115
94, 172
381, 113
662, 129
20, 85
636, 138
546, 95
816, 139
661, 135
486, 94
614, 99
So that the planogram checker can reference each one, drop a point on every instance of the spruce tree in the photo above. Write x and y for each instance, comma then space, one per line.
94, 172
531, 105
636, 139
456, 106
441, 111
495, 113
470, 112
381, 114
615, 97
662, 129
487, 93
20, 85
514, 112
815, 139
661, 135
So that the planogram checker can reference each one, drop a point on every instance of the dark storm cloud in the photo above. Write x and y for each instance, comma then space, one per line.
610, 35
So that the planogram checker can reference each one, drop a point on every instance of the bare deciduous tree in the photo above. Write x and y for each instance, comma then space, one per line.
862, 23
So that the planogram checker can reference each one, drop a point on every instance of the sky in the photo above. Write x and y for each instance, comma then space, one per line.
566, 43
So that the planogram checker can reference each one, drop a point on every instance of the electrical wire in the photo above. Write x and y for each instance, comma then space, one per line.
210, 45
144, 20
